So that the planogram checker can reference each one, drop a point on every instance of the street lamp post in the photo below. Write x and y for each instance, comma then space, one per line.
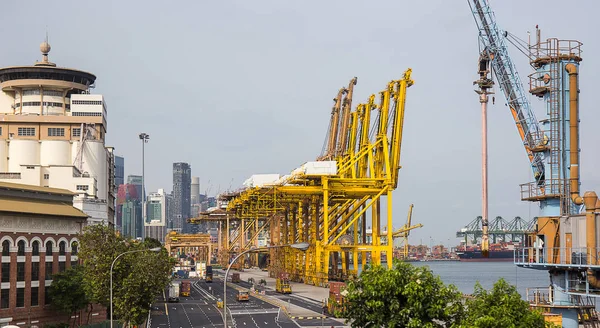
144, 137
301, 246
156, 249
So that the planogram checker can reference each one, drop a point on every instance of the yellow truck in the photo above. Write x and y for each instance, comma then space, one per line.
242, 296
283, 286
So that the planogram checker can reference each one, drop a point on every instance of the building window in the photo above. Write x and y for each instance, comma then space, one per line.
5, 248
20, 297
62, 266
56, 132
35, 271
21, 271
26, 132
47, 295
86, 102
5, 272
46, 176
4, 298
62, 248
21, 248
35, 296
0, 130
48, 270
49, 248
74, 249
74, 264
85, 114
76, 132
82, 187
35, 248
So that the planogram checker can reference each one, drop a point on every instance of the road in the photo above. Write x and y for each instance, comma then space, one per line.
199, 310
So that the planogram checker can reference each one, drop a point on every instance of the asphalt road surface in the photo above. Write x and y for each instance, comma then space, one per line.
199, 310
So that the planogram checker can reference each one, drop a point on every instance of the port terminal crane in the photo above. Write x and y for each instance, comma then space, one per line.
403, 232
564, 240
328, 202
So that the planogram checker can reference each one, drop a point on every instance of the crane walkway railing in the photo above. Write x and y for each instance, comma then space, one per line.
585, 257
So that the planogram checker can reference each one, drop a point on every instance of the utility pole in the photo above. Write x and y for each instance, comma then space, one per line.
484, 83
144, 137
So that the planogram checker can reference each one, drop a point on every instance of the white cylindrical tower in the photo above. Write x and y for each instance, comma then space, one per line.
55, 152
96, 164
195, 190
23, 152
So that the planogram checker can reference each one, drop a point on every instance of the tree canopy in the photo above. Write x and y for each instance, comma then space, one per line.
67, 291
500, 307
410, 296
405, 296
137, 277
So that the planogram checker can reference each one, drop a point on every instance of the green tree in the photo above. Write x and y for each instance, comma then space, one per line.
99, 246
501, 307
145, 275
137, 278
67, 291
152, 242
405, 296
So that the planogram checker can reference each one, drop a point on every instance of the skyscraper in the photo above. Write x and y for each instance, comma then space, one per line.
156, 217
182, 179
119, 180
119, 171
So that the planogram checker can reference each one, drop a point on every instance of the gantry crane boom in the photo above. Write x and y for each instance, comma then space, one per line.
404, 231
494, 45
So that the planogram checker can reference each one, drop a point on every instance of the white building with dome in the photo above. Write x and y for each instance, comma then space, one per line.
52, 134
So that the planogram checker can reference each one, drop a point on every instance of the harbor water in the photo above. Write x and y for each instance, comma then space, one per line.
464, 275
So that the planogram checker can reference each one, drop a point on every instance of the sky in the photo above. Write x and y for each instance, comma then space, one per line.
237, 88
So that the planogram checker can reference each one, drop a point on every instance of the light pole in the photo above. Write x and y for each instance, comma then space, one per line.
301, 246
156, 249
144, 137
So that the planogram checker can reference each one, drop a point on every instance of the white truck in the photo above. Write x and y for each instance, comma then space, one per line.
201, 270
174, 292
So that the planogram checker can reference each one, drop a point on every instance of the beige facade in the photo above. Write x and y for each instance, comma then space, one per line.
52, 133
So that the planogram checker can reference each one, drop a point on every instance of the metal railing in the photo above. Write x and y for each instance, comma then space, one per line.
550, 188
539, 295
562, 256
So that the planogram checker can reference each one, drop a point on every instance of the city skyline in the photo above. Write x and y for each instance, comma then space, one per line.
286, 100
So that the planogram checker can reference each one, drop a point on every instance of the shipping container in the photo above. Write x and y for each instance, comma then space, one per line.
235, 277
185, 288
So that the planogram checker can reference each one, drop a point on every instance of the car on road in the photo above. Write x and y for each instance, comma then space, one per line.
243, 296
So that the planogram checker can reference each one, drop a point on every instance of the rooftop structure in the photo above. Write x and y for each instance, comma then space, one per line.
52, 133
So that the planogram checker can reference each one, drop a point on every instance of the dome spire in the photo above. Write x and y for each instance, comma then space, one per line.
45, 49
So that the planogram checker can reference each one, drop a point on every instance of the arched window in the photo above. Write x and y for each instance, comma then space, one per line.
62, 248
6, 248
21, 248
49, 248
35, 248
74, 249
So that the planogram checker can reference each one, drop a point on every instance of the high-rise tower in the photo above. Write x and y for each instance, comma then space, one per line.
182, 178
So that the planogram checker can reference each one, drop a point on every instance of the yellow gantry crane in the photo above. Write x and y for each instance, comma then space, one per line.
330, 202
404, 231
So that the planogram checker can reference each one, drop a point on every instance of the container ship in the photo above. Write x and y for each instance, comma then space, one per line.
500, 252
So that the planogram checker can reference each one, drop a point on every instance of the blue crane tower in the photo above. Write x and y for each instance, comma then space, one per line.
564, 240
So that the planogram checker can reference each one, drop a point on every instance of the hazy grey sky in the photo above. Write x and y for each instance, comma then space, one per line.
237, 88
